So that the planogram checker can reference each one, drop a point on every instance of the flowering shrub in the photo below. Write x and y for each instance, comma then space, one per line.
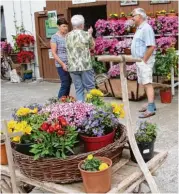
146, 132
24, 39
98, 123
62, 139
74, 113
5, 47
93, 164
121, 45
164, 43
25, 56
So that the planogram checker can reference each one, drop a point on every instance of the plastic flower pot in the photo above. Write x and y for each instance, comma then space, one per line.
166, 96
27, 75
22, 148
3, 158
146, 149
96, 143
99, 181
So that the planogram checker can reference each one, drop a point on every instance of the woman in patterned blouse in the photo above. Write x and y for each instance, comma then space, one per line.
58, 46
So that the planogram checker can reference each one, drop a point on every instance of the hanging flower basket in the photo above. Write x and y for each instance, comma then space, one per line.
24, 40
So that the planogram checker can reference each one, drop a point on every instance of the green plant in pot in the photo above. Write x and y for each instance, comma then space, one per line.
96, 174
145, 137
28, 74
163, 63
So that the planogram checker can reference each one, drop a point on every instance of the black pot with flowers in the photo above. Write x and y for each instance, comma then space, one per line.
145, 138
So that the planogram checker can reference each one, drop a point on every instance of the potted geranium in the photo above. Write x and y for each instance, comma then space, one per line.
25, 56
3, 158
24, 40
145, 137
28, 74
96, 173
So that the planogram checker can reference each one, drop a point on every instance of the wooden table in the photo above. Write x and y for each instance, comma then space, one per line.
126, 178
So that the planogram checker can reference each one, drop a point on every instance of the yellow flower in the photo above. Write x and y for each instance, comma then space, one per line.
96, 92
116, 14
28, 130
90, 157
118, 109
103, 166
23, 111
11, 125
169, 76
89, 96
16, 139
34, 111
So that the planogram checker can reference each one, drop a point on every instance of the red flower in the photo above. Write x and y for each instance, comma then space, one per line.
57, 127
62, 121
25, 56
61, 132
23, 39
45, 126
51, 129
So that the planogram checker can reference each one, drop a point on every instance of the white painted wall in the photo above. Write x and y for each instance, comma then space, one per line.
24, 11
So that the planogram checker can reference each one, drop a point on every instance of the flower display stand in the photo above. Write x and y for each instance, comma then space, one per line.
126, 175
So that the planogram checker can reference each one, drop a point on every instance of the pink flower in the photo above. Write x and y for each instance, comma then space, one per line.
74, 113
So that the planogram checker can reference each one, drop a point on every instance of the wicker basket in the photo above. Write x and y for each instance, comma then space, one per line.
66, 170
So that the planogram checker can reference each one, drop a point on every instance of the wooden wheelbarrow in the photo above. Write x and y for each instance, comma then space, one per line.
127, 176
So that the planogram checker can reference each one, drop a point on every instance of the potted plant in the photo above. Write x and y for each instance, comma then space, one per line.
113, 16
25, 56
171, 13
131, 72
55, 139
123, 16
161, 13
6, 48
96, 173
130, 26
98, 129
27, 121
145, 137
129, 16
28, 74
150, 15
164, 63
24, 40
114, 72
3, 158
94, 97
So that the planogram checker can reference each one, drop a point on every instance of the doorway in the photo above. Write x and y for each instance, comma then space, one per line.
91, 15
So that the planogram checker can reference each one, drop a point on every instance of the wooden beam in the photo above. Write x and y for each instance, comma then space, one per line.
10, 158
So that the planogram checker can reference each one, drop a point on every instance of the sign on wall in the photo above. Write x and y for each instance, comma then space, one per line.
49, 31
82, 1
52, 18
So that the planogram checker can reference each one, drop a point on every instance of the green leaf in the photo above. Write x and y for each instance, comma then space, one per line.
69, 149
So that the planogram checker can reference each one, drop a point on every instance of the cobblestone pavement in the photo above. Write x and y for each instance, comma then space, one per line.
16, 95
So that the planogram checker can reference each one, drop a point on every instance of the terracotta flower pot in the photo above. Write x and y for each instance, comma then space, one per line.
3, 158
166, 96
133, 29
127, 51
96, 143
171, 14
97, 182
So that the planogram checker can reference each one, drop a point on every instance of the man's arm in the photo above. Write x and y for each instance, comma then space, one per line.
148, 53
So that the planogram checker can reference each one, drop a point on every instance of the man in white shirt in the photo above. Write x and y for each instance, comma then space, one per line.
143, 46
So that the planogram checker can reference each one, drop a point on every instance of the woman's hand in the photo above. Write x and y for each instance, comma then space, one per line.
64, 67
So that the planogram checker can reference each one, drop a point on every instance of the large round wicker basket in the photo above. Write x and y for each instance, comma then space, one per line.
66, 170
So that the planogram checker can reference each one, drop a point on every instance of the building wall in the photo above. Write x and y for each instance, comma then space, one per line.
112, 6
24, 11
